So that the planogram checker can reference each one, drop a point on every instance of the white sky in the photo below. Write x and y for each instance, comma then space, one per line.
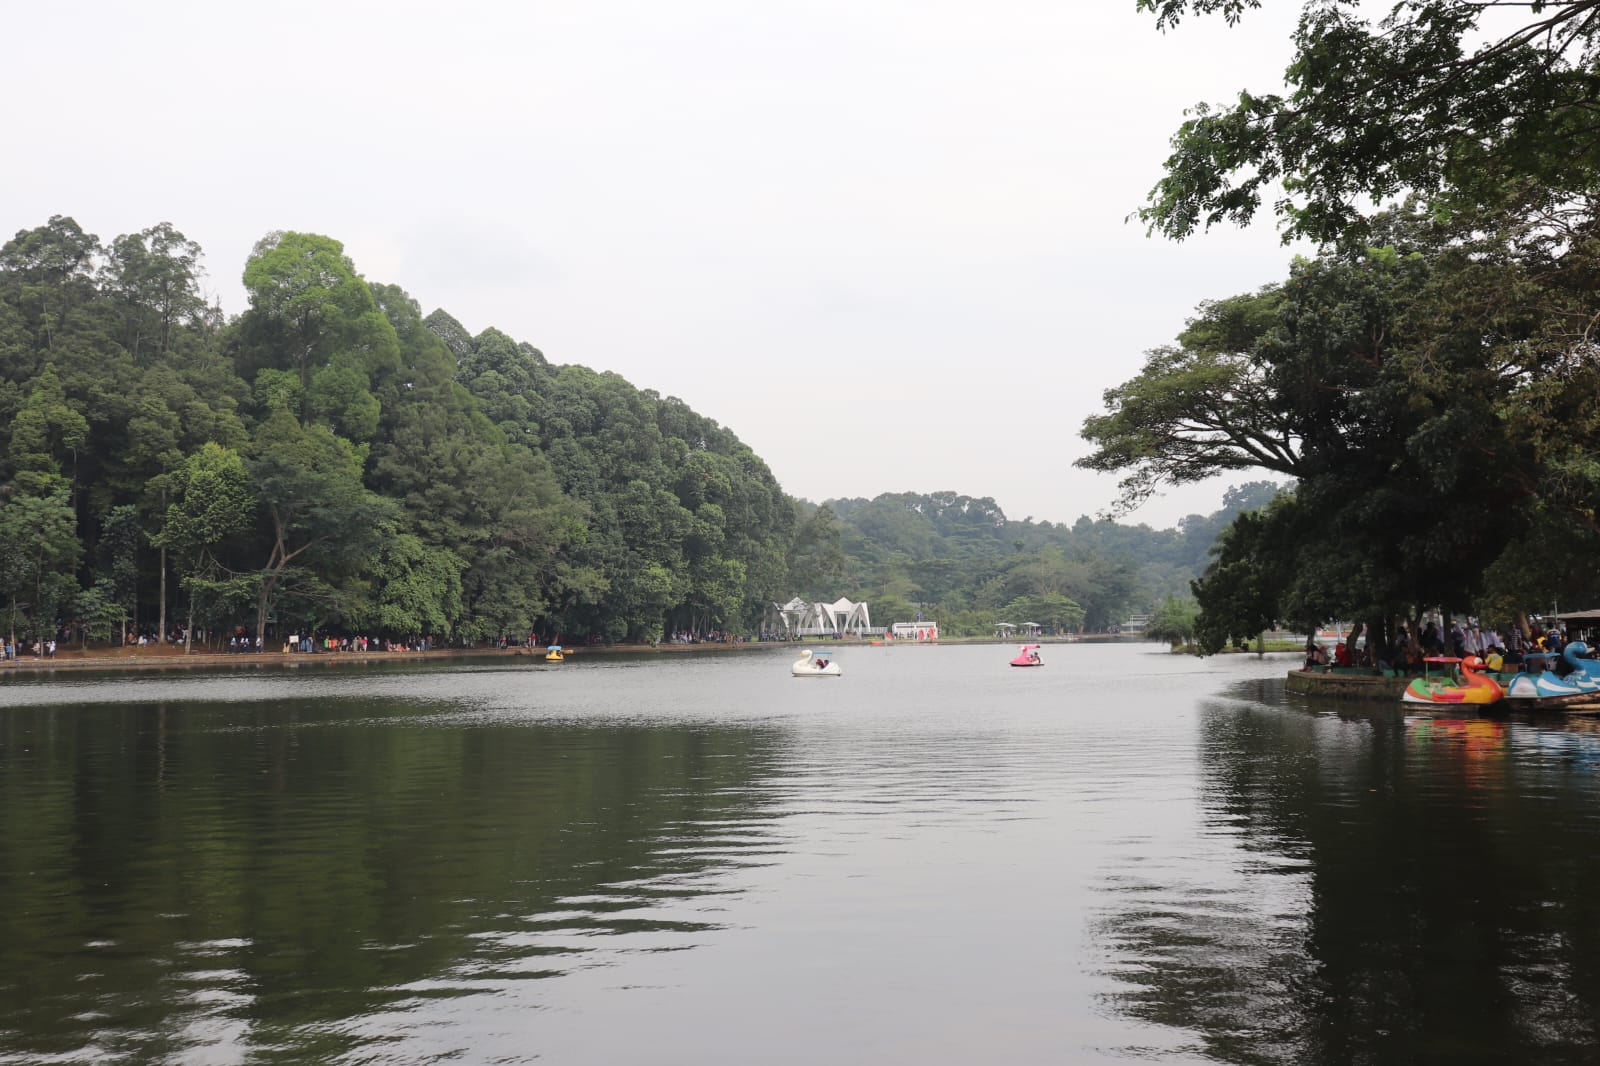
882, 241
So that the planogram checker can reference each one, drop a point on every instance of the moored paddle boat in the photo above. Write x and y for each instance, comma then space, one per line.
1585, 671
1473, 687
1539, 685
1027, 655
814, 664
1544, 687
555, 654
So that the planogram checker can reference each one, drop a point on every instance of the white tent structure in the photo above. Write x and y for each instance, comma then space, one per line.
793, 614
842, 616
803, 619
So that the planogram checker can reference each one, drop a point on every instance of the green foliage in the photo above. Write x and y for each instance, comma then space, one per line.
1054, 612
309, 481
45, 434
311, 313
151, 279
39, 549
970, 566
1434, 394
1243, 591
1175, 621
1373, 378
213, 500
1429, 100
99, 613
419, 588
671, 503
120, 537
1202, 407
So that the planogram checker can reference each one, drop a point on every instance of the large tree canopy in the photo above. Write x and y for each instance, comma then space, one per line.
1431, 397
1460, 101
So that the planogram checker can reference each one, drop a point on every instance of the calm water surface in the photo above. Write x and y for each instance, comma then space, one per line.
1124, 856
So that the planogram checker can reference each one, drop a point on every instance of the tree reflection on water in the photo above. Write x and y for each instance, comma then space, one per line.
182, 876
1388, 888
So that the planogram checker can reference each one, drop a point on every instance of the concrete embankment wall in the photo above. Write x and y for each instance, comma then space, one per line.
1346, 686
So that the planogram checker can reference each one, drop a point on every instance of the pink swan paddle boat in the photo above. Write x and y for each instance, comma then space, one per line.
1027, 655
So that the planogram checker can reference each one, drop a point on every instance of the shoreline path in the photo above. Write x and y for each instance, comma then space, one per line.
169, 657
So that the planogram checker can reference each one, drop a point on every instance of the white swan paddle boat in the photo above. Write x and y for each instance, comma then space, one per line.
813, 664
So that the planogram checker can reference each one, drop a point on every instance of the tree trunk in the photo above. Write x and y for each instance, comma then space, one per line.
38, 593
161, 633
161, 601
261, 610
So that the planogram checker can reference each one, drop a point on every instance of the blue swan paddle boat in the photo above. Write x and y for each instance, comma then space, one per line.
1540, 681
1585, 671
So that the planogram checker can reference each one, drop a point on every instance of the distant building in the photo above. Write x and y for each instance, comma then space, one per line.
915, 631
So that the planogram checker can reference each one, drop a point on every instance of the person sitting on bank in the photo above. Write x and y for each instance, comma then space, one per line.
1393, 657
1341, 656
1316, 655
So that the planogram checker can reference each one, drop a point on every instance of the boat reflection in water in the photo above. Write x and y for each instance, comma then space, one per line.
1387, 889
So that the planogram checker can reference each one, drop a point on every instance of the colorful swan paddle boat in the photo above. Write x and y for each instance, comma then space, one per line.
1027, 655
1539, 684
1585, 671
555, 654
1473, 688
814, 664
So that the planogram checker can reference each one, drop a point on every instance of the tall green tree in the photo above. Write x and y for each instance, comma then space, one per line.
313, 315
120, 535
39, 548
322, 520
213, 501
152, 279
1381, 387
49, 271
1174, 621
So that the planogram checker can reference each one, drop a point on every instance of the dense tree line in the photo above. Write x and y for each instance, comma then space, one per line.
961, 562
331, 460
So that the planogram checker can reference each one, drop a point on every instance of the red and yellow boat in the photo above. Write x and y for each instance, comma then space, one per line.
1472, 687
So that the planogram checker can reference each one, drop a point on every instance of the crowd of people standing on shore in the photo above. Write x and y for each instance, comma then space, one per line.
10, 650
1499, 648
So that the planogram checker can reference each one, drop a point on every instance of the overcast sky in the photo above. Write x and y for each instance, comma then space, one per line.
882, 241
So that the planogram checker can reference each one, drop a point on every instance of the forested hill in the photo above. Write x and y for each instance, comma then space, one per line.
961, 559
332, 461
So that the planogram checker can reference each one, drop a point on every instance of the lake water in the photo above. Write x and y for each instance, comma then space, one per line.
697, 859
